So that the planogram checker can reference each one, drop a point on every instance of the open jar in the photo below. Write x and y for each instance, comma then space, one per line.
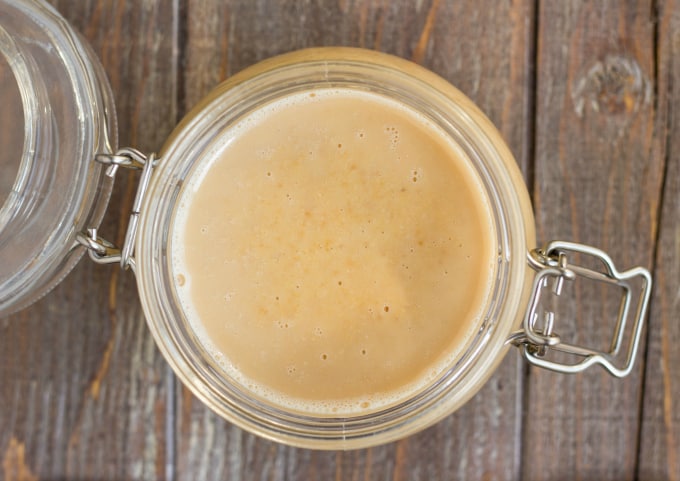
510, 310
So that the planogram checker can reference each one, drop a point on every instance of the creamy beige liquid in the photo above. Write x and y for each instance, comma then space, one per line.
335, 253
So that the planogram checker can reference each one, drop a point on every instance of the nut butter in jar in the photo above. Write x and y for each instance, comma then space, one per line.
335, 249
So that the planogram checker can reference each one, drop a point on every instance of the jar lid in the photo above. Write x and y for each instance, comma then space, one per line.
57, 112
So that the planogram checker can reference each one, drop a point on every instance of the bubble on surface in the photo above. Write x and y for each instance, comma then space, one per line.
282, 324
393, 133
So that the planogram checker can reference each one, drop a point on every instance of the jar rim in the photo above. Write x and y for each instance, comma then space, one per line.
276, 78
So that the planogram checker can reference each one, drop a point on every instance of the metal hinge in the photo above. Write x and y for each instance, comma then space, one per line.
101, 250
536, 339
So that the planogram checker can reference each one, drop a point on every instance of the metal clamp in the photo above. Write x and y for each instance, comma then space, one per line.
535, 341
100, 250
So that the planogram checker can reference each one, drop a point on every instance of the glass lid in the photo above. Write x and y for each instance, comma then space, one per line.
11, 130
56, 113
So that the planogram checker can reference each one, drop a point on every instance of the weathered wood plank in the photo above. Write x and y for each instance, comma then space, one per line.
597, 180
659, 455
83, 391
483, 49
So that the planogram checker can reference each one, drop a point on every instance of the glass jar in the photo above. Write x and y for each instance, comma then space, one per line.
513, 313
57, 111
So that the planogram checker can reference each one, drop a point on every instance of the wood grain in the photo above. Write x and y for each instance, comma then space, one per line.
83, 391
584, 93
659, 456
598, 170
481, 48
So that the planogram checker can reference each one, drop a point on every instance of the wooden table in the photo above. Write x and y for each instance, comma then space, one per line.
585, 93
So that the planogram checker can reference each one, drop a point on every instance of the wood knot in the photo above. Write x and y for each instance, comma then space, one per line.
613, 86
